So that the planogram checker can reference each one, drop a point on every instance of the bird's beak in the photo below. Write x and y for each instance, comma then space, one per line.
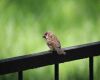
44, 37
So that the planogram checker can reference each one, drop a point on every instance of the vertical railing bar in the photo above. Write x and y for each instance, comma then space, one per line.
91, 75
56, 71
20, 75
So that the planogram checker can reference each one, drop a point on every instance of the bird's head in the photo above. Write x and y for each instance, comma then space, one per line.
47, 35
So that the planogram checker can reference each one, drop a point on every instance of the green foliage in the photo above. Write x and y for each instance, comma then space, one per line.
23, 22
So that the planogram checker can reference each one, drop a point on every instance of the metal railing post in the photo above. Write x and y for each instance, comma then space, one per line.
91, 77
56, 71
20, 75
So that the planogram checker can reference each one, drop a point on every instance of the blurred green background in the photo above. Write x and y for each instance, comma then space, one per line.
23, 23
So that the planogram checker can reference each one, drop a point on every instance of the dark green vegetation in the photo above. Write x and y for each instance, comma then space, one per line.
23, 22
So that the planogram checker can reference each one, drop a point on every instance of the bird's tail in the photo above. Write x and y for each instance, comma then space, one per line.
60, 51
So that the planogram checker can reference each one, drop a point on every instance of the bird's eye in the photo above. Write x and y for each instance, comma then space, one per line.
46, 33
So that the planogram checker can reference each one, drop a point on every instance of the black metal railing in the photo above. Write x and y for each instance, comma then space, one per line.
21, 63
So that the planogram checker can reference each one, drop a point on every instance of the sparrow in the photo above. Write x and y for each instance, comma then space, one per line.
53, 42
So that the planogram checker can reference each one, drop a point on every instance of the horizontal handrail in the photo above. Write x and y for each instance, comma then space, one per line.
45, 58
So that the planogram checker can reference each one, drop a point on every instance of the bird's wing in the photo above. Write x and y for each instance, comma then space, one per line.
56, 42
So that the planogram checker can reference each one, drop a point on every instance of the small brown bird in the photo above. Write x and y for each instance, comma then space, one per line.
53, 42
